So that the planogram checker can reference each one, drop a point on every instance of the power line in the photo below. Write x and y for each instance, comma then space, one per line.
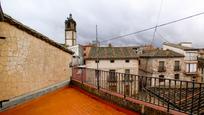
155, 29
164, 24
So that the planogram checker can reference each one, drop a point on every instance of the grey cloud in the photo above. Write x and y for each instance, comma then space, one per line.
113, 17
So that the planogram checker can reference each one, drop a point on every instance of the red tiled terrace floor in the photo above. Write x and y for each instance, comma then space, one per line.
67, 101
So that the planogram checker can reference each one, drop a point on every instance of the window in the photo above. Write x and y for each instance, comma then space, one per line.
191, 68
97, 61
177, 66
112, 61
112, 76
161, 78
176, 76
161, 66
127, 61
139, 62
84, 54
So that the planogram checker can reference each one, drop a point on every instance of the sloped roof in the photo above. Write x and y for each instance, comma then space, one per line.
161, 54
1, 13
33, 32
179, 46
112, 53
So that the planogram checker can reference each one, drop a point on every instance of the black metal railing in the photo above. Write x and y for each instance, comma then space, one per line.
183, 96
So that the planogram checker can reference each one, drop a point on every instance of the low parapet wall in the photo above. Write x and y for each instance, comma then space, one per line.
24, 98
128, 103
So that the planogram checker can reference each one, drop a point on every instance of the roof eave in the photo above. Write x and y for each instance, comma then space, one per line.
111, 58
161, 56
32, 32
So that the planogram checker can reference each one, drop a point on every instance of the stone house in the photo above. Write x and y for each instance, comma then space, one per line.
190, 59
113, 60
28, 63
200, 69
201, 65
162, 64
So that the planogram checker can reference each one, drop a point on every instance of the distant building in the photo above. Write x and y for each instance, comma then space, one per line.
113, 59
190, 59
201, 65
162, 64
118, 59
78, 58
201, 69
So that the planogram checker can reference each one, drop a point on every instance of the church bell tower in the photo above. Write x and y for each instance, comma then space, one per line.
70, 31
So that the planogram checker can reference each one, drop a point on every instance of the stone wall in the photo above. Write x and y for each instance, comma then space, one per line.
149, 67
28, 64
118, 65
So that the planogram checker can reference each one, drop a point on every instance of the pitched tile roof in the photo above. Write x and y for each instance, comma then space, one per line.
112, 53
32, 32
179, 46
161, 54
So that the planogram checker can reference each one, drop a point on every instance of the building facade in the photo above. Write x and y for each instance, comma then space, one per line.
190, 59
114, 60
78, 58
162, 64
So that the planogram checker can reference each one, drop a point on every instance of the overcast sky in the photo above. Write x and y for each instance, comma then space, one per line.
113, 17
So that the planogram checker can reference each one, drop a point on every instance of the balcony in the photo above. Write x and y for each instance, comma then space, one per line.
162, 69
191, 58
177, 68
190, 73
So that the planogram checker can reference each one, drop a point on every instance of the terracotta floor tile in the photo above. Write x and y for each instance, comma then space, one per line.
66, 101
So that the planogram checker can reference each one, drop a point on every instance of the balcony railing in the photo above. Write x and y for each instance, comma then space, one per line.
191, 58
183, 96
161, 69
177, 68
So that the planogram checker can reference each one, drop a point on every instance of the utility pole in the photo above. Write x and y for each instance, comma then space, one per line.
97, 60
97, 46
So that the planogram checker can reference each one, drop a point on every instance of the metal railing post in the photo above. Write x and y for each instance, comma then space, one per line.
82, 81
97, 77
200, 90
192, 104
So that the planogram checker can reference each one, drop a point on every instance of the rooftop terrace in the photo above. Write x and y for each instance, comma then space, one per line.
67, 101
